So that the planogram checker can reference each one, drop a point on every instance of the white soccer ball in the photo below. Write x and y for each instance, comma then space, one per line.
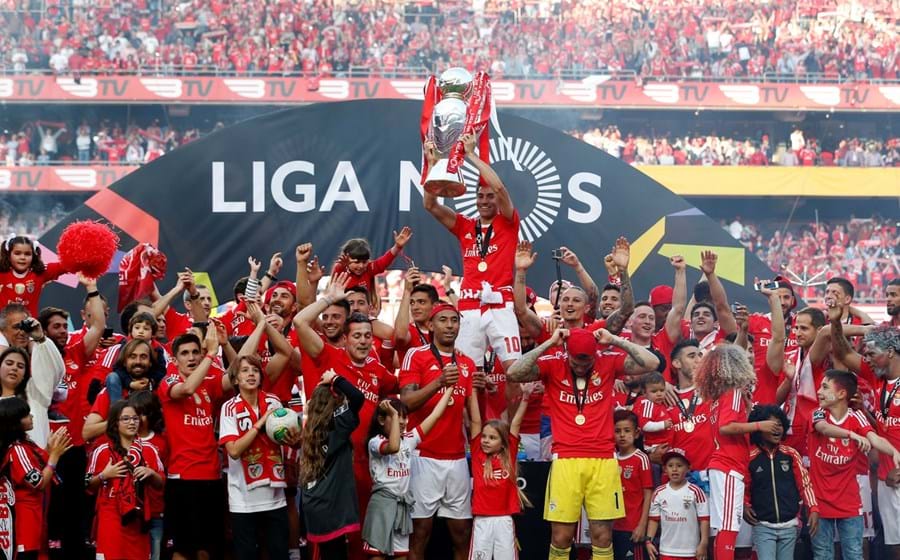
280, 422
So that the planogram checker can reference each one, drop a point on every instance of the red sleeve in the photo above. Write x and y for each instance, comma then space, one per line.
101, 405
53, 271
732, 408
862, 426
390, 385
461, 225
409, 375
646, 474
801, 479
381, 263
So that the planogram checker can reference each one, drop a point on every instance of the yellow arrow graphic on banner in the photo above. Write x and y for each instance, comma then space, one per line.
204, 279
729, 266
644, 245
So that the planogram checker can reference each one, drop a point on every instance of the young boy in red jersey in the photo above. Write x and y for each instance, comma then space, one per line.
637, 487
837, 435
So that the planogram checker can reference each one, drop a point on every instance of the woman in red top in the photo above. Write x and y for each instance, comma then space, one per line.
495, 495
121, 469
725, 377
23, 273
31, 470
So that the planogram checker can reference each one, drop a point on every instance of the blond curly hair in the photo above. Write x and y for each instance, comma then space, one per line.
723, 368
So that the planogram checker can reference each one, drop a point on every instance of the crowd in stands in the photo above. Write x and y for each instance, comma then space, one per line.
109, 141
711, 149
509, 38
864, 250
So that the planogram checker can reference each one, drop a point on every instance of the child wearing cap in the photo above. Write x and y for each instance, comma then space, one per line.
681, 511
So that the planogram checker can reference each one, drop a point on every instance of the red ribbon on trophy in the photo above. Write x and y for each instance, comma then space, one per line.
477, 116
432, 97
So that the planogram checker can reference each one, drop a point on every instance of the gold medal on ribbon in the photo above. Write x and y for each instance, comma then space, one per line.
482, 266
688, 426
580, 419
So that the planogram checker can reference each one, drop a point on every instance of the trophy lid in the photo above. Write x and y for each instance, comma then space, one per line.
455, 82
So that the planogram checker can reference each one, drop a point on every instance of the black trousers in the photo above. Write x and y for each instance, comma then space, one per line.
69, 516
250, 530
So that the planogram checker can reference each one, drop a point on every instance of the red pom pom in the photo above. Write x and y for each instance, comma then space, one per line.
87, 247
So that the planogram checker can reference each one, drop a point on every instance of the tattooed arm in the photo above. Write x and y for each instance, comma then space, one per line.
616, 320
526, 369
639, 359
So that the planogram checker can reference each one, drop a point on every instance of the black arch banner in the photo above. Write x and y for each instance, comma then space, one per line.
328, 172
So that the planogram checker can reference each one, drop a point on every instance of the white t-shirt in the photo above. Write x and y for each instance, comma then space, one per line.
392, 471
241, 500
679, 512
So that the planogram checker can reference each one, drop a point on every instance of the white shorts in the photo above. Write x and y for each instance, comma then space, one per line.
865, 496
400, 545
726, 500
531, 445
499, 327
889, 507
442, 487
493, 536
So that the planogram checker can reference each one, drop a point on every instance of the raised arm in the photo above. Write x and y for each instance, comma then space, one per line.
708, 260
840, 346
306, 291
474, 415
195, 379
525, 368
393, 418
621, 257
430, 420
679, 299
96, 317
775, 351
516, 423
447, 283
165, 300
310, 341
504, 202
443, 214
590, 287
527, 318
401, 322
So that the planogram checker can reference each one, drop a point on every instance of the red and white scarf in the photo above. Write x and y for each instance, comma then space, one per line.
7, 501
262, 462
803, 386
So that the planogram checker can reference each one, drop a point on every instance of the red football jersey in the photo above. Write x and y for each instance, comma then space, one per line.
500, 257
496, 496
193, 449
26, 288
648, 411
76, 406
694, 436
732, 453
831, 465
636, 475
595, 438
446, 439
888, 400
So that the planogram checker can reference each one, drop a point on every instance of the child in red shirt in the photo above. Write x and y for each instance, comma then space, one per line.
23, 273
637, 487
496, 496
31, 470
652, 414
355, 255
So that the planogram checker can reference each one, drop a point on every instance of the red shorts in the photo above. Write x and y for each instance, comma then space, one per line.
29, 526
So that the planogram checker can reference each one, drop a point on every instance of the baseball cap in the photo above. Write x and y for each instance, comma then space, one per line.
581, 342
442, 306
661, 295
675, 452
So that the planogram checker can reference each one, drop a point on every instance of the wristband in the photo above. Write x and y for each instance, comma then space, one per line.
271, 277
101, 477
52, 466
450, 292
252, 289
95, 293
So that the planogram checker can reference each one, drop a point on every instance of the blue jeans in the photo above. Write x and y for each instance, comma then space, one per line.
850, 531
156, 533
777, 544
115, 387
84, 155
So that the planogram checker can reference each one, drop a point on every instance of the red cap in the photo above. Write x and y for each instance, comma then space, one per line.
661, 295
530, 297
675, 452
581, 342
442, 306
285, 284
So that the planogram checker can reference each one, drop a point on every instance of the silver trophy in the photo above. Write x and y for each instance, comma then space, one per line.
447, 122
